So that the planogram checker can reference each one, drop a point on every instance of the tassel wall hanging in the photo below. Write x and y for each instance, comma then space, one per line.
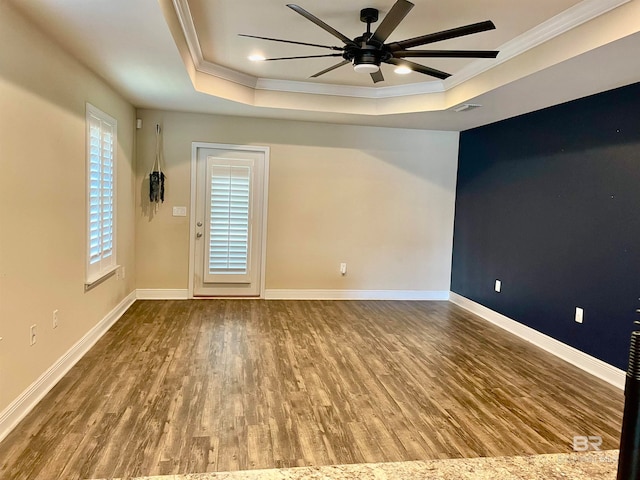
156, 176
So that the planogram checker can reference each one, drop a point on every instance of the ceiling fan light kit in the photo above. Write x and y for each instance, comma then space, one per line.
367, 52
366, 67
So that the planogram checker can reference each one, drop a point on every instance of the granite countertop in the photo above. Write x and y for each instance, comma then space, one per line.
576, 466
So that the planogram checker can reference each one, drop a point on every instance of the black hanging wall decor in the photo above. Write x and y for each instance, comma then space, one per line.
156, 176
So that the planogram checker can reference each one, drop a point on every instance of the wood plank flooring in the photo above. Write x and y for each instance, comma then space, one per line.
216, 385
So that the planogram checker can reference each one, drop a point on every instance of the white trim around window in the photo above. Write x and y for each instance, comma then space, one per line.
102, 142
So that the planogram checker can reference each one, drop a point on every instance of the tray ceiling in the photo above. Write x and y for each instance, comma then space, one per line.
186, 55
217, 25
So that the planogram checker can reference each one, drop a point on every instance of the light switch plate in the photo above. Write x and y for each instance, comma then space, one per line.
179, 211
498, 286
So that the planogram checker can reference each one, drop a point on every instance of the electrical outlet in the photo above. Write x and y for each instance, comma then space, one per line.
498, 286
55, 318
343, 269
32, 335
579, 314
120, 273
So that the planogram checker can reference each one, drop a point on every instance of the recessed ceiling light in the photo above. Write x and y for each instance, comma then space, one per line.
256, 58
402, 70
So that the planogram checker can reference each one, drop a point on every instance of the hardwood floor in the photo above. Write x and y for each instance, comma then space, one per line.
216, 385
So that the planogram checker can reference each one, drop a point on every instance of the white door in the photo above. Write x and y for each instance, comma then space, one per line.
230, 215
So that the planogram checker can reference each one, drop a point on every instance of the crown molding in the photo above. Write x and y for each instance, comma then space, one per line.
183, 13
349, 90
229, 74
555, 26
185, 18
563, 22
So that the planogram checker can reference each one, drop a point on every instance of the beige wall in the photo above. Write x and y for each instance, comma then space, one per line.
42, 202
380, 199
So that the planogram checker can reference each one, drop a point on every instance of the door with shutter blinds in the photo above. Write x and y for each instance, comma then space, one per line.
229, 220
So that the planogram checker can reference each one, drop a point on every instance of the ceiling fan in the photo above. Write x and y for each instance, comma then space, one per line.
368, 51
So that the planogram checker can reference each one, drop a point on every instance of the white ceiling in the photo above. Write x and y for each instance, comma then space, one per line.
158, 57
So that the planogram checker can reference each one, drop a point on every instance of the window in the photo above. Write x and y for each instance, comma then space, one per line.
101, 214
229, 219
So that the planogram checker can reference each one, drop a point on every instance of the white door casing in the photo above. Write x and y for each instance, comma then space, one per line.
228, 220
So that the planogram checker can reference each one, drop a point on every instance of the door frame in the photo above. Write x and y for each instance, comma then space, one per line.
192, 216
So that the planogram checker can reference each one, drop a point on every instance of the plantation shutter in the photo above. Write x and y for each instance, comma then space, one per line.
229, 222
101, 134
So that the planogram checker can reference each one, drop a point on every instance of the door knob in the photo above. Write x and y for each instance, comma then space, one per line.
199, 234
199, 224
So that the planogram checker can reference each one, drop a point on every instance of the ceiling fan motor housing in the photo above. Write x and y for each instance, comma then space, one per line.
369, 15
366, 54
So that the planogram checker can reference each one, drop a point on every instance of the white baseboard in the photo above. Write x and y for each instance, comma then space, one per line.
162, 294
309, 294
589, 364
284, 294
22, 405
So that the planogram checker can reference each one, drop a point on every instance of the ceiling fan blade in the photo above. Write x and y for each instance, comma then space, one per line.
327, 70
305, 56
443, 35
392, 20
419, 68
291, 41
446, 53
377, 76
321, 24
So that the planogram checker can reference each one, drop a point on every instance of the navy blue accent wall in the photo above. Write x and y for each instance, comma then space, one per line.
549, 203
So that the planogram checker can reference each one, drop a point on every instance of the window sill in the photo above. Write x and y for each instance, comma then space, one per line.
98, 279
